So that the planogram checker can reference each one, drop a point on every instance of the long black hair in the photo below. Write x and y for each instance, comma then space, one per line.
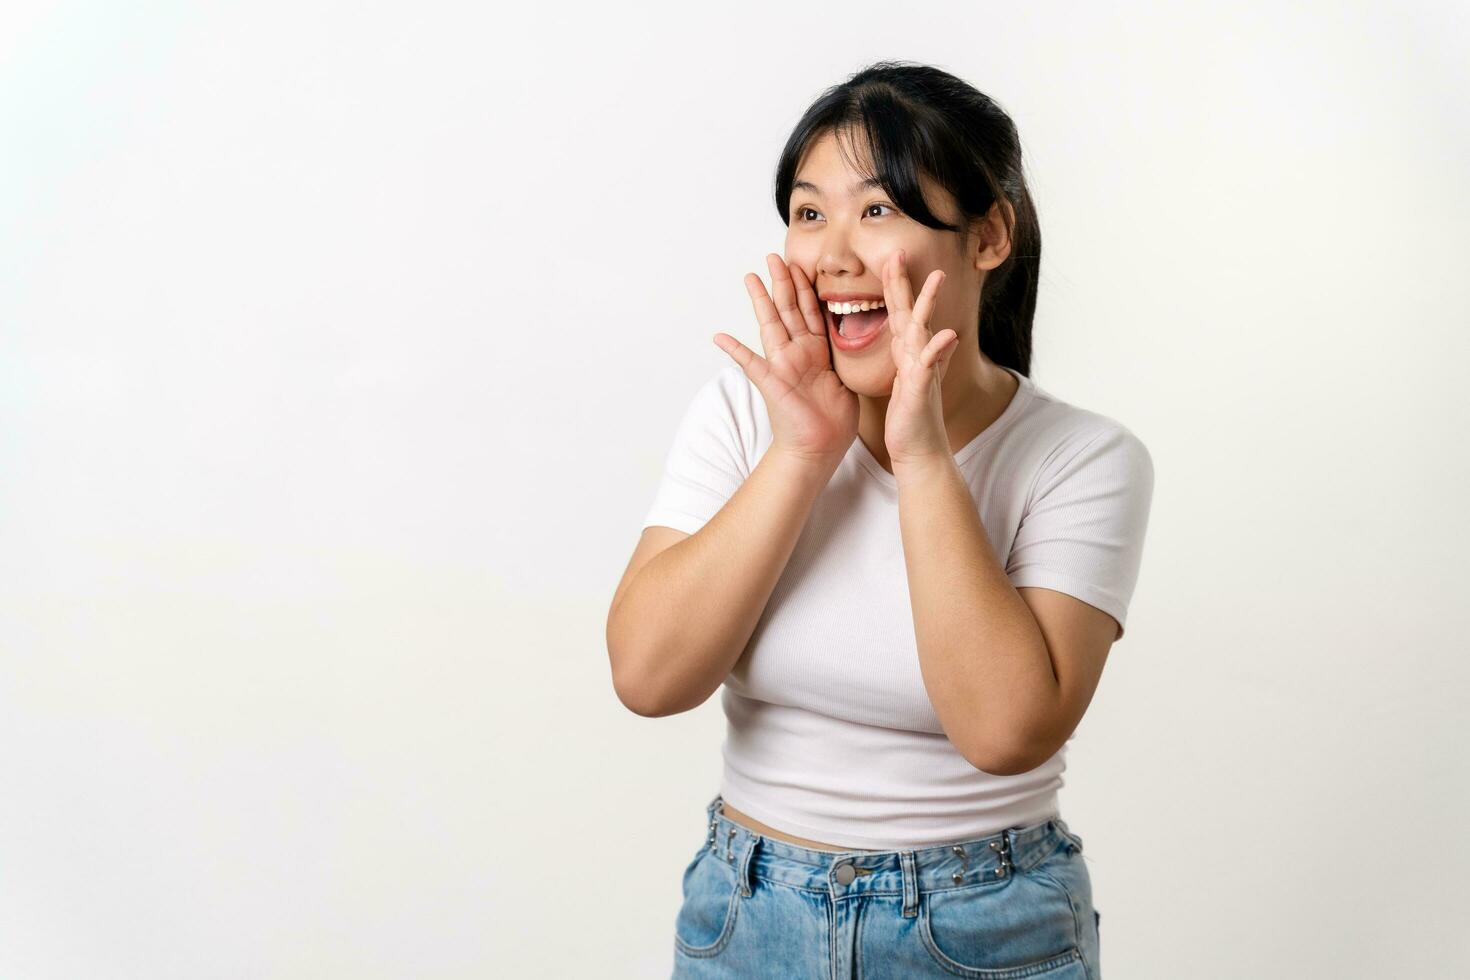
921, 119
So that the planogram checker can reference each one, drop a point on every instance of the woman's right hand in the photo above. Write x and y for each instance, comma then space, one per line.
813, 414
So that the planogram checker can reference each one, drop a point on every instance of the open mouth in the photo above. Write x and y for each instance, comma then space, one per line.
856, 331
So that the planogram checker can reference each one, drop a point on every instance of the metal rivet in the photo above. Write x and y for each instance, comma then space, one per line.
1003, 848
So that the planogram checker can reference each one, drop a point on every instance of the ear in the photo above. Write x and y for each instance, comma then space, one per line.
991, 242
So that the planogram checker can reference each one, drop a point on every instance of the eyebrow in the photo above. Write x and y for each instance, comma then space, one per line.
806, 185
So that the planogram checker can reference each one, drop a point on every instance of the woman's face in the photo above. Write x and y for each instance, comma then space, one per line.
841, 234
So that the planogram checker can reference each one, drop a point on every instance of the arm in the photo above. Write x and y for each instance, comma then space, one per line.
983, 656
686, 617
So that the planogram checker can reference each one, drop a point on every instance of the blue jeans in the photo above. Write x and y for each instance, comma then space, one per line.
1015, 904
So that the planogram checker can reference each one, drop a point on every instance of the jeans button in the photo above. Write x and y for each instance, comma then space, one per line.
845, 874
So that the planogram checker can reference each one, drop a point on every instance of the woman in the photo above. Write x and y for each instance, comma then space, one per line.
902, 559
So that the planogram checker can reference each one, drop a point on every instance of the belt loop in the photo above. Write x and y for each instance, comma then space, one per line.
747, 851
910, 884
709, 812
1074, 843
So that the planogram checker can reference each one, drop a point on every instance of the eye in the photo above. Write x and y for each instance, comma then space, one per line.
802, 211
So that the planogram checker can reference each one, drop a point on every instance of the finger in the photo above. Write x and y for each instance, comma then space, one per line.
919, 333
754, 366
774, 334
948, 355
924, 307
897, 283
811, 306
938, 348
897, 293
785, 297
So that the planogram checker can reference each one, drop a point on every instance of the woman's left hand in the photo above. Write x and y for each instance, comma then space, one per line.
914, 426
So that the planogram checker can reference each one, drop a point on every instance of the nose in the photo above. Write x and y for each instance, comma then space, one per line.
838, 258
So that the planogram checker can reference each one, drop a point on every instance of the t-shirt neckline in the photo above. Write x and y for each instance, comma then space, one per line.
1025, 389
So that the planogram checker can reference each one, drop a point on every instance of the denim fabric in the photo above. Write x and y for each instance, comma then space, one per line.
1015, 904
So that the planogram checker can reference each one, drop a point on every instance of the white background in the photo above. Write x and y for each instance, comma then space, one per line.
340, 349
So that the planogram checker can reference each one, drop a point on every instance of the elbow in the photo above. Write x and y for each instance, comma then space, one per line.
998, 765
645, 682
631, 689
638, 706
1006, 757
631, 694
634, 696
650, 699
637, 689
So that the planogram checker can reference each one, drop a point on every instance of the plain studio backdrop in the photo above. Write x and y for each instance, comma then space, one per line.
342, 349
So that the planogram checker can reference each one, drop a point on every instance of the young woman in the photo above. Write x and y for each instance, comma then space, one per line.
903, 560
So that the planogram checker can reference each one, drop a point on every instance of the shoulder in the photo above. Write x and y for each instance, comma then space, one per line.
734, 386
1067, 441
726, 390
727, 408
724, 396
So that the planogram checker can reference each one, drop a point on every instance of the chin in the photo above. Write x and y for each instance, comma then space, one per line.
874, 381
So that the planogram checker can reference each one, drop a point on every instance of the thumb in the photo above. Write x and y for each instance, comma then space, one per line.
754, 366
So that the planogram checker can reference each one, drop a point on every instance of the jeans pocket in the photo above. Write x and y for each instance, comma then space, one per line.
1021, 928
706, 918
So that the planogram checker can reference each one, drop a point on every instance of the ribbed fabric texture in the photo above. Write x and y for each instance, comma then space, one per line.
830, 732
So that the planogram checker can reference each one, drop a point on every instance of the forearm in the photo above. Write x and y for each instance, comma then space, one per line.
688, 614
982, 655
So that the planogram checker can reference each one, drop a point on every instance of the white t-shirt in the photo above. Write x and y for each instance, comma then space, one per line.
830, 732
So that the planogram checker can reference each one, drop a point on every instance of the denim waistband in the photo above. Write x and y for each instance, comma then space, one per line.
962, 864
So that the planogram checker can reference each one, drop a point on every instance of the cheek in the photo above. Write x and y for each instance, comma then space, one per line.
797, 259
946, 290
918, 261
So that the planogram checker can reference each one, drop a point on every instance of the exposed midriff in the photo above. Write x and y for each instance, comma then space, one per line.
750, 823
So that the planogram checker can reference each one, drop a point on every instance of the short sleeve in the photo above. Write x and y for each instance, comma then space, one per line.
707, 462
1083, 531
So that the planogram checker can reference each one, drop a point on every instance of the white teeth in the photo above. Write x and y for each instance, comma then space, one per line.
846, 308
